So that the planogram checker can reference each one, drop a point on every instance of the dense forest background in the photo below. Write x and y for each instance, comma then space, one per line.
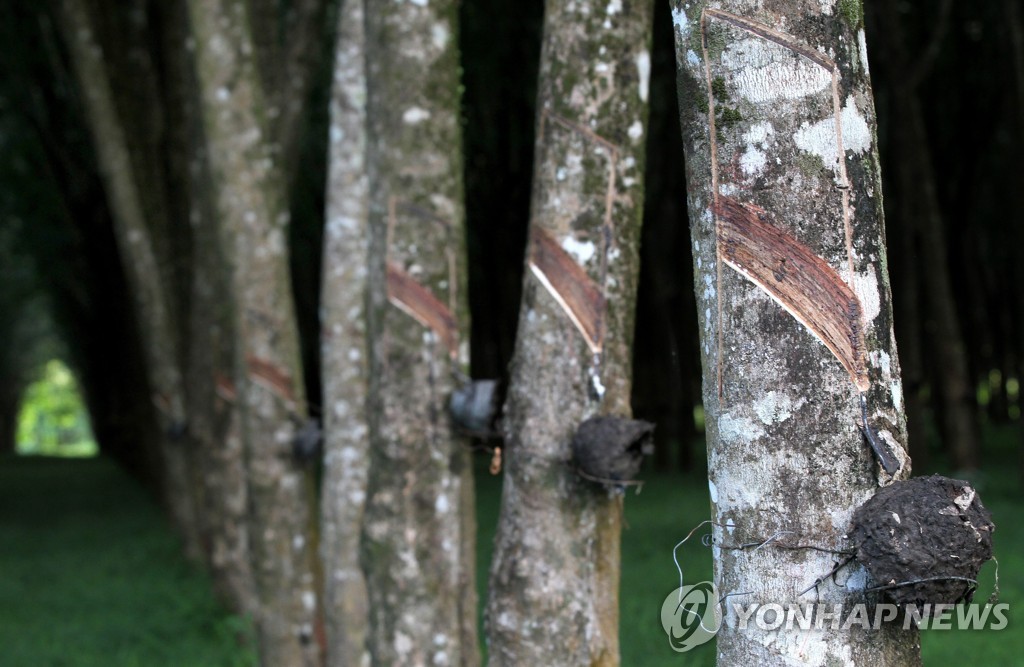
949, 86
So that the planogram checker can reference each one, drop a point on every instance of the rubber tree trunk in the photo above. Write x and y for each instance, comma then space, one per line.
781, 193
418, 546
555, 576
344, 350
958, 419
10, 401
214, 420
133, 202
252, 220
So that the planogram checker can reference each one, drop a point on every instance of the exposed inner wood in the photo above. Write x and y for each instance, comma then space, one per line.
800, 281
570, 285
272, 377
815, 56
420, 303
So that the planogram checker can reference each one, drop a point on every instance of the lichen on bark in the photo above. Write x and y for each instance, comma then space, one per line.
785, 452
418, 546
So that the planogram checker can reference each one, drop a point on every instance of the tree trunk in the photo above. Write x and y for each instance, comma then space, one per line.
780, 194
214, 422
555, 575
252, 220
137, 240
344, 351
958, 419
418, 546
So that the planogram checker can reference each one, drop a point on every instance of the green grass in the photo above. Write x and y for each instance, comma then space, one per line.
90, 574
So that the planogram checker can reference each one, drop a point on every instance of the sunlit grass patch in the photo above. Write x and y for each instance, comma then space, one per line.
53, 420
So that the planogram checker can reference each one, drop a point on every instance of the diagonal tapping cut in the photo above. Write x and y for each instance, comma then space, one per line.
797, 279
570, 286
579, 297
803, 283
838, 325
414, 299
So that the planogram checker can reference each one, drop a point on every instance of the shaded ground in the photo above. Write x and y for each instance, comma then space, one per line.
91, 575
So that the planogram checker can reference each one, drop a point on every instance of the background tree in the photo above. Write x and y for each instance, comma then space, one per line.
418, 542
345, 349
554, 577
123, 122
784, 194
922, 221
252, 219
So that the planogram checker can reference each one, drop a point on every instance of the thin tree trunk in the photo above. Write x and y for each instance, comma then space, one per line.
344, 351
252, 221
214, 417
418, 546
912, 356
555, 576
288, 39
958, 413
767, 182
137, 244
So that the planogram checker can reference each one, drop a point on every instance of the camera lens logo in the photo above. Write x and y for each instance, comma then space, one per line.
691, 616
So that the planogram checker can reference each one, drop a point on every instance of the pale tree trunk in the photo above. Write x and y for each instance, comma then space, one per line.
759, 95
418, 533
214, 426
252, 220
135, 204
958, 408
555, 576
344, 351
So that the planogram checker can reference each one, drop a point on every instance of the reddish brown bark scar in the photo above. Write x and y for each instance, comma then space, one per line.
570, 285
420, 303
800, 281
225, 388
270, 376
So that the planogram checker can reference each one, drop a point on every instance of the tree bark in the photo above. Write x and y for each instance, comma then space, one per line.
418, 545
555, 575
252, 219
760, 101
137, 241
344, 350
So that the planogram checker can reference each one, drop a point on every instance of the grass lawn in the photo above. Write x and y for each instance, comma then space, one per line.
91, 575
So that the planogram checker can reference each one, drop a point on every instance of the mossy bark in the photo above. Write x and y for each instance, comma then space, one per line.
418, 546
555, 575
344, 350
787, 461
248, 191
